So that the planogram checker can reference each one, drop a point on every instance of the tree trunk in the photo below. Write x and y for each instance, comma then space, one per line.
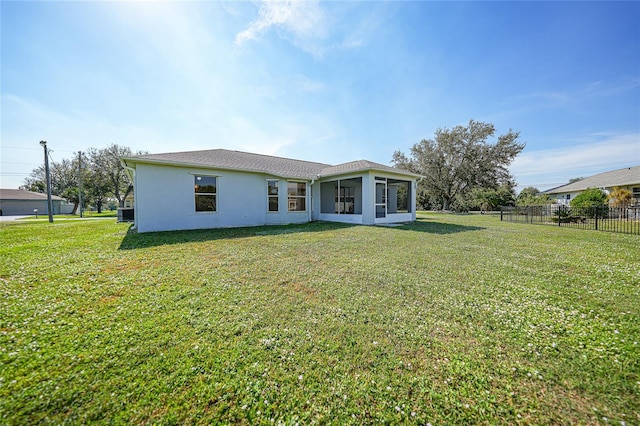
75, 207
446, 203
124, 197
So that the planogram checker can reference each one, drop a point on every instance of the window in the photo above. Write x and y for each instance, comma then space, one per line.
272, 195
205, 189
345, 200
636, 193
297, 196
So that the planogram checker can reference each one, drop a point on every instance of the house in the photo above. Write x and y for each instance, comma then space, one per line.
627, 178
18, 202
222, 188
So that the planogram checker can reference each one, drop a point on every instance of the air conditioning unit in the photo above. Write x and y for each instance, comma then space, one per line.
126, 215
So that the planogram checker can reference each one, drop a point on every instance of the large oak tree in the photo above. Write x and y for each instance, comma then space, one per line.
461, 159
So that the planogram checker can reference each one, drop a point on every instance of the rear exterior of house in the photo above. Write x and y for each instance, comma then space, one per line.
221, 188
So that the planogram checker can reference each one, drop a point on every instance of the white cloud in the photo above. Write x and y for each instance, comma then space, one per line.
301, 20
589, 155
573, 97
305, 84
368, 24
317, 30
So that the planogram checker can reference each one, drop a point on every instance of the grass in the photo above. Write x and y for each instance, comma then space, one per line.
86, 214
450, 320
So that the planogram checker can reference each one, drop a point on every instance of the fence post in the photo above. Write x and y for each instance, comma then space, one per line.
596, 208
531, 210
559, 214
501, 210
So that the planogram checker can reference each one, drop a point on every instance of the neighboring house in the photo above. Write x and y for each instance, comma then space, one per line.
221, 188
17, 202
128, 202
627, 178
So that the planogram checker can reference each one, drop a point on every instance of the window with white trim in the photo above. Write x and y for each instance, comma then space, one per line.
272, 195
205, 191
297, 196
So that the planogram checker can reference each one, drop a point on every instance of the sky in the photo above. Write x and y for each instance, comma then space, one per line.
330, 82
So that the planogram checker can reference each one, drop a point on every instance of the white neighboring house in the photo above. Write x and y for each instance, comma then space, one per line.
18, 202
627, 178
222, 188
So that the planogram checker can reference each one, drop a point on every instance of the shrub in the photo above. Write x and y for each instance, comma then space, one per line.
591, 197
620, 197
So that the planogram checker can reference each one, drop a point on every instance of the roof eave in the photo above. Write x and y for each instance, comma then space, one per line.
173, 163
372, 169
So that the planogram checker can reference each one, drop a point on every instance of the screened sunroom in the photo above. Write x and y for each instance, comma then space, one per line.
369, 198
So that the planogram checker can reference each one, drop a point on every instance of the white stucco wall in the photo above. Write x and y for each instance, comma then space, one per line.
165, 200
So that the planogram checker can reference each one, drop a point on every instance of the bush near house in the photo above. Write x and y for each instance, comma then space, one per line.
590, 197
620, 197
454, 319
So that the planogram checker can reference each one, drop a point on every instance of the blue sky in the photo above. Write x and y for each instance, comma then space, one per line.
322, 81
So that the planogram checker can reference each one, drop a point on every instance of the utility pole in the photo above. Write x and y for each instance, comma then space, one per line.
46, 171
80, 181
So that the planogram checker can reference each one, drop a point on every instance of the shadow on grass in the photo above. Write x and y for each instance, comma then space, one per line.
133, 240
423, 225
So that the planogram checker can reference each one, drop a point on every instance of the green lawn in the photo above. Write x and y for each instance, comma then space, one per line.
86, 214
451, 320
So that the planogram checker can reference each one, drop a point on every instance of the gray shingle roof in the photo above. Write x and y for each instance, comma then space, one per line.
19, 194
245, 161
359, 165
621, 177
237, 160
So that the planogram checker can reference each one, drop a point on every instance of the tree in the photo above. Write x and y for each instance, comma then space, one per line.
620, 197
102, 174
107, 161
460, 159
64, 180
36, 181
97, 186
531, 196
576, 179
591, 197
491, 199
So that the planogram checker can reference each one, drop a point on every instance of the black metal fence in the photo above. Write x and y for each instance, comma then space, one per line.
624, 220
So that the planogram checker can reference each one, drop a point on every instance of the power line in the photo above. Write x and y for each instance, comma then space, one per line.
11, 162
20, 147
32, 149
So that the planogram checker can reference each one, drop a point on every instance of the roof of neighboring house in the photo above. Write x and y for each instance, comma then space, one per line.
20, 194
621, 177
245, 161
